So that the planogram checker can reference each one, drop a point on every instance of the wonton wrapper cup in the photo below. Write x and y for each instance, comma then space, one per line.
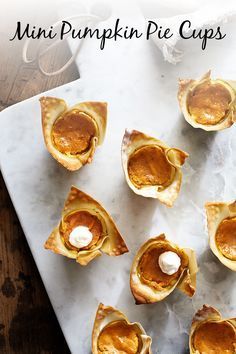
108, 314
111, 242
188, 85
217, 212
206, 314
145, 294
134, 140
52, 108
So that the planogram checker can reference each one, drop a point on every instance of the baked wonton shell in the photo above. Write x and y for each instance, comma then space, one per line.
185, 86
217, 212
134, 140
205, 314
111, 243
52, 108
145, 294
108, 314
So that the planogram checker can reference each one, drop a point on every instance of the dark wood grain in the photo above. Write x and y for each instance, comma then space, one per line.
27, 321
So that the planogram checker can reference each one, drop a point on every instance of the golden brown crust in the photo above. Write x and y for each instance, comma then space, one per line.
97, 110
216, 212
188, 282
186, 86
134, 140
52, 108
205, 314
185, 284
55, 244
145, 294
110, 243
176, 157
108, 314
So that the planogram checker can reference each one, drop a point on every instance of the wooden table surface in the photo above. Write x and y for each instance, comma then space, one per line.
27, 321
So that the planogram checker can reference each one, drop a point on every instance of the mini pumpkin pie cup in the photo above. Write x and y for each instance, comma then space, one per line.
113, 333
72, 134
208, 104
82, 210
212, 334
152, 169
221, 223
149, 284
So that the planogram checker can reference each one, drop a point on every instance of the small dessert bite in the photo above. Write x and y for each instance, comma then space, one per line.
159, 267
113, 333
72, 134
208, 104
152, 169
210, 333
85, 230
221, 222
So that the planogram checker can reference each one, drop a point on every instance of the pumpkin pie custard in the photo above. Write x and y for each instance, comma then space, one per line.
159, 267
221, 221
208, 104
114, 334
72, 134
151, 168
85, 230
212, 334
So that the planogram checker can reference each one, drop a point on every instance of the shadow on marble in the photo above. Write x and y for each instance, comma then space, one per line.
136, 216
197, 142
213, 270
159, 320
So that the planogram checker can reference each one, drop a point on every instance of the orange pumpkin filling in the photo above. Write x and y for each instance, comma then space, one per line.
72, 133
81, 218
215, 338
226, 238
148, 165
150, 271
119, 337
209, 103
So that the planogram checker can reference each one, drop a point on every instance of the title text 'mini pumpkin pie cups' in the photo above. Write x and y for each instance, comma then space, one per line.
72, 134
152, 169
159, 267
221, 222
85, 230
113, 333
208, 104
210, 333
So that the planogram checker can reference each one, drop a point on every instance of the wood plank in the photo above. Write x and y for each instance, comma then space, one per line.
27, 323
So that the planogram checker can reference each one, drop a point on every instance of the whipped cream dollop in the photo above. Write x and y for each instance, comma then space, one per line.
169, 262
80, 236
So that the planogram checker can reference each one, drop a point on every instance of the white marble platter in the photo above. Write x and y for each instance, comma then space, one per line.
140, 89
